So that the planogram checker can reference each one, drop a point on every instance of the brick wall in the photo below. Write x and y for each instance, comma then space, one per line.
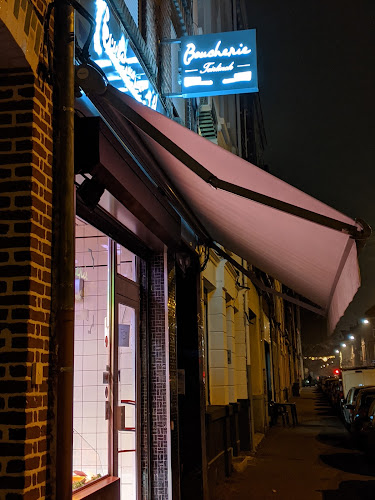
25, 282
157, 18
24, 21
164, 14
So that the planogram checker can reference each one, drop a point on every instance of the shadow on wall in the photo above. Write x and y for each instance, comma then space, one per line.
351, 490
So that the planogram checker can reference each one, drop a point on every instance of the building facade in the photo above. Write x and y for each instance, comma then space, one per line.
136, 362
123, 285
252, 341
26, 236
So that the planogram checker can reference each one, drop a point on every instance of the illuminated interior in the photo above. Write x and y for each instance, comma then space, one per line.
91, 356
94, 412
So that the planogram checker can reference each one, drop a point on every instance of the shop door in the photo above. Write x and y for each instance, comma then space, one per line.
126, 452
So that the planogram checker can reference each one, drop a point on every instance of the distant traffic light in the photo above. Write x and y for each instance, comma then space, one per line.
336, 371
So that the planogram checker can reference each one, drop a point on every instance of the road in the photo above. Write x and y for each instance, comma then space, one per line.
316, 460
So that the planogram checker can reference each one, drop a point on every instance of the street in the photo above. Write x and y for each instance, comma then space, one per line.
317, 460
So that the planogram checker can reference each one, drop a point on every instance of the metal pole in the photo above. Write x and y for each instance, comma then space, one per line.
64, 250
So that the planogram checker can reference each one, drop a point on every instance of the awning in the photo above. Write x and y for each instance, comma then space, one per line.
307, 245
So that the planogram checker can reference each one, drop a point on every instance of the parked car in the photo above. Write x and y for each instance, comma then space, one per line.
367, 433
336, 393
327, 384
360, 411
348, 404
353, 377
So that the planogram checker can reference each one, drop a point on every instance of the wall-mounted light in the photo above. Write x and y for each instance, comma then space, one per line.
337, 351
365, 321
90, 192
343, 345
351, 337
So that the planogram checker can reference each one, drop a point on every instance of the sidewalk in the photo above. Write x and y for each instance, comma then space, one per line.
316, 460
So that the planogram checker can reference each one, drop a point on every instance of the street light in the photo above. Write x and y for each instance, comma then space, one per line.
365, 321
337, 351
343, 345
351, 337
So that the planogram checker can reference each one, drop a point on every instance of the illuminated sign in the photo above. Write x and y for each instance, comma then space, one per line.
218, 64
112, 52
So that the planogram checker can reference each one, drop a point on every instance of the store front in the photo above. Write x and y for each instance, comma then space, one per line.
152, 189
106, 361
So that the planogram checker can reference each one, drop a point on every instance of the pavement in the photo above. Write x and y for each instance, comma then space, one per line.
315, 460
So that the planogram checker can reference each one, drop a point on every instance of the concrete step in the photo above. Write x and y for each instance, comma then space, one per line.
240, 463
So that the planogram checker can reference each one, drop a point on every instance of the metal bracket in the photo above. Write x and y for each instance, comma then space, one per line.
169, 41
172, 94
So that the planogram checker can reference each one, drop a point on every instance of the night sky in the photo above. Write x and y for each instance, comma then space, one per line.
316, 63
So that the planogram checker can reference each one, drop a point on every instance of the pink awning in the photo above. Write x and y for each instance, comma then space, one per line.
318, 262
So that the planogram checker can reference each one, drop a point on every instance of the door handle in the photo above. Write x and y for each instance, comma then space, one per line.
106, 375
120, 414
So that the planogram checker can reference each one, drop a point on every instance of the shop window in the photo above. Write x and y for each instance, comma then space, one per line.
126, 263
91, 356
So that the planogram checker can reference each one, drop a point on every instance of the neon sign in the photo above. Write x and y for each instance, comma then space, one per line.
217, 64
191, 52
113, 53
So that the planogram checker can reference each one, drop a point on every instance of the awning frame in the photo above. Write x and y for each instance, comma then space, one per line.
359, 231
155, 134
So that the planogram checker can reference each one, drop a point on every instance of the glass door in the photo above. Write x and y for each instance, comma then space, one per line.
125, 384
106, 363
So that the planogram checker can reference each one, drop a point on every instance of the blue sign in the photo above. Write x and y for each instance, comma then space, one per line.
218, 64
112, 52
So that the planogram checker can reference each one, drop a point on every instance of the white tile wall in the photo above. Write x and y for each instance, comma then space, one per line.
90, 439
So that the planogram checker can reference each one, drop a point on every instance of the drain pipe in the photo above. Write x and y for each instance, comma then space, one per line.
63, 243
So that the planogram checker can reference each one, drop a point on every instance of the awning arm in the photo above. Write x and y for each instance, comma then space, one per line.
251, 275
140, 122
283, 206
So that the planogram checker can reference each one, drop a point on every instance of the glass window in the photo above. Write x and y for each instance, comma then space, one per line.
126, 416
91, 356
126, 263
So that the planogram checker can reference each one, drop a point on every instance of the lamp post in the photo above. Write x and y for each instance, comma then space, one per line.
63, 248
